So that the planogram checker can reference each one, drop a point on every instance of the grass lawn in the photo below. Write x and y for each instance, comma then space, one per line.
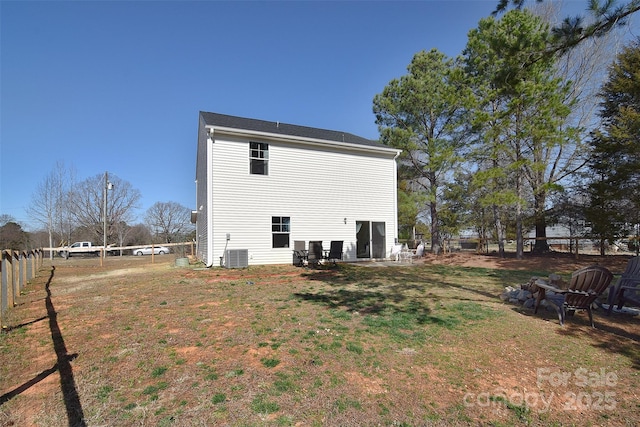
134, 343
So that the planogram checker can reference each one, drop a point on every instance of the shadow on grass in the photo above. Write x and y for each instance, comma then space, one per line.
362, 301
35, 380
399, 281
403, 298
609, 334
75, 413
31, 322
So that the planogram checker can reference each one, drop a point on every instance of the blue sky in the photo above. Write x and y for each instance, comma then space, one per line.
117, 86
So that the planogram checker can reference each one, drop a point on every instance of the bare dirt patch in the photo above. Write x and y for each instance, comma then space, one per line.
551, 262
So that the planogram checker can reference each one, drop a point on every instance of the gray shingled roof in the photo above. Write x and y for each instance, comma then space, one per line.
223, 120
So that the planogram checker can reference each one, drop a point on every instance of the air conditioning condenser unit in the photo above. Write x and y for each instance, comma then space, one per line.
236, 258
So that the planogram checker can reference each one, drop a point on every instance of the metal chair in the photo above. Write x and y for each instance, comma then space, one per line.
299, 253
335, 251
315, 255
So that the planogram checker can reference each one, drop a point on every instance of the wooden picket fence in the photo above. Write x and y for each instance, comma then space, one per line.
17, 268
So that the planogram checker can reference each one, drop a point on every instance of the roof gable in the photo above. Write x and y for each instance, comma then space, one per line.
285, 129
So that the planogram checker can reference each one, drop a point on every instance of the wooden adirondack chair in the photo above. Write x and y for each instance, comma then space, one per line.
627, 288
586, 285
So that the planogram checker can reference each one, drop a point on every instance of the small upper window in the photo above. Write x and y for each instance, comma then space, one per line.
259, 158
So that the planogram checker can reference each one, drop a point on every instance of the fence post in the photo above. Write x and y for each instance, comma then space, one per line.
16, 269
16, 276
7, 285
30, 269
3, 288
21, 270
11, 285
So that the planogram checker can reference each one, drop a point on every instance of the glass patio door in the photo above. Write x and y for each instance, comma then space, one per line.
363, 239
370, 239
378, 243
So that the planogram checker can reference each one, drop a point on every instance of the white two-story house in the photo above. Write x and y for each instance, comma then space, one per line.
262, 185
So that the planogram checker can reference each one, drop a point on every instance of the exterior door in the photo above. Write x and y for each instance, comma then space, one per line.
378, 241
363, 239
370, 239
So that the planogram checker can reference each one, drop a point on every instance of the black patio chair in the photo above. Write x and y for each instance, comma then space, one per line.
335, 251
314, 255
299, 253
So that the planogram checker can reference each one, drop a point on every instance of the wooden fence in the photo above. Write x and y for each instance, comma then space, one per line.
179, 249
16, 269
575, 245
19, 267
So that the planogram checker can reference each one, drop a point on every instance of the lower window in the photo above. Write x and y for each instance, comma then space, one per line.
280, 229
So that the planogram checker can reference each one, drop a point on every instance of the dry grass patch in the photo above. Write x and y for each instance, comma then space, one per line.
152, 344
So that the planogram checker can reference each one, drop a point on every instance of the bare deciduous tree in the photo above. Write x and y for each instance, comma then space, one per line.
50, 203
5, 219
138, 234
168, 220
87, 201
584, 66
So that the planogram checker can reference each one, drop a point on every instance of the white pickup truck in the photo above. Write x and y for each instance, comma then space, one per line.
80, 248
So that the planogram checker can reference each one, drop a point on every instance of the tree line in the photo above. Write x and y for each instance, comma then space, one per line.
513, 135
97, 208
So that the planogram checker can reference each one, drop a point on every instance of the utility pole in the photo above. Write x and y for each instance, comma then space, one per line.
107, 186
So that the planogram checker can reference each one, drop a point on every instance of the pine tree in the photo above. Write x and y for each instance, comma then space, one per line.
523, 139
615, 160
421, 113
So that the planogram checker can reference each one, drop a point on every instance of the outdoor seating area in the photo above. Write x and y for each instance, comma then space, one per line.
400, 252
316, 255
627, 289
585, 286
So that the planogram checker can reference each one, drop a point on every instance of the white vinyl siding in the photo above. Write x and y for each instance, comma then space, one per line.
317, 188
203, 174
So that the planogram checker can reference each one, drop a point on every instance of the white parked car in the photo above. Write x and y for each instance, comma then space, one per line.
157, 250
